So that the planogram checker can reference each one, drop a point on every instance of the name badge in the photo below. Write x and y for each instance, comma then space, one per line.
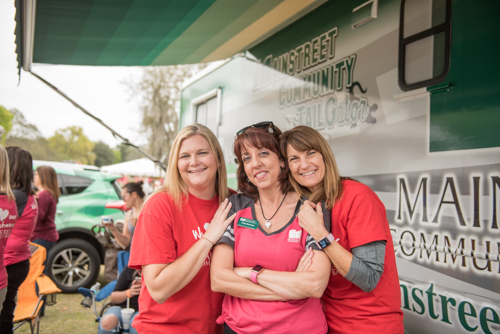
248, 223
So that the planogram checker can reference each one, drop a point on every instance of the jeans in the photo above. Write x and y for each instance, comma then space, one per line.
116, 310
17, 274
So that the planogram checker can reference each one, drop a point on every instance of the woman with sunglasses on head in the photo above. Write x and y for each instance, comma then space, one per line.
17, 252
45, 233
174, 236
363, 294
257, 263
8, 217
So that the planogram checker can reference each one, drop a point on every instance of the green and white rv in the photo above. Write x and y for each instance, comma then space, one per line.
407, 93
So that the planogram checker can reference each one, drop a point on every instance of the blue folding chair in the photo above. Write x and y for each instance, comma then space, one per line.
106, 291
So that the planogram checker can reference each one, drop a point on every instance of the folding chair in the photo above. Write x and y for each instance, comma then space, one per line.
106, 291
29, 301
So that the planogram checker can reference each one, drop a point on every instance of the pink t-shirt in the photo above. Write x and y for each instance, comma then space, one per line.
8, 217
18, 248
280, 251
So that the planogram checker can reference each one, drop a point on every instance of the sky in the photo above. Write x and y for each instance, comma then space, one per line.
98, 89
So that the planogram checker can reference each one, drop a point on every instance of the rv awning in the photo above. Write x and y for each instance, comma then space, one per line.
146, 32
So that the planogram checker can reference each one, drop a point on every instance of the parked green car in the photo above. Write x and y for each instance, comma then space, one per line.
76, 257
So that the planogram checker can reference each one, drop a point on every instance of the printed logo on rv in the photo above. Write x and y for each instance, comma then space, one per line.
311, 85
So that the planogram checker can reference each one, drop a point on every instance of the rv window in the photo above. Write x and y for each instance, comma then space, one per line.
424, 43
206, 114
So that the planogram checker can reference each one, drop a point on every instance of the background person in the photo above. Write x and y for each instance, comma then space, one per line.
174, 236
8, 217
363, 294
17, 252
266, 233
45, 233
127, 286
133, 196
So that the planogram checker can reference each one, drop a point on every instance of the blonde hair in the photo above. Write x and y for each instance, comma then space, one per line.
5, 174
48, 179
303, 139
174, 185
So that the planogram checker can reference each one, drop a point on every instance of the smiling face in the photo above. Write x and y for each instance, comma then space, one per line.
307, 168
262, 166
197, 165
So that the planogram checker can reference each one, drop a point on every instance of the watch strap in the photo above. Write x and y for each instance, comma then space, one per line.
253, 276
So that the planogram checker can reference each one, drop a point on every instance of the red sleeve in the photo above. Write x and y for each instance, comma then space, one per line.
153, 241
367, 218
44, 202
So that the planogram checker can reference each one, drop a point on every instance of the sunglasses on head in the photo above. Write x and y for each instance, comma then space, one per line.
261, 125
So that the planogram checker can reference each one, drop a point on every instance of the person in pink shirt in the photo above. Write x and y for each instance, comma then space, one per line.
45, 233
17, 252
257, 263
8, 217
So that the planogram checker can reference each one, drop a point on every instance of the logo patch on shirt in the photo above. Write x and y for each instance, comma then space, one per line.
294, 236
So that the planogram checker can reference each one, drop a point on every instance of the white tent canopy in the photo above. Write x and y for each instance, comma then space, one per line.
139, 167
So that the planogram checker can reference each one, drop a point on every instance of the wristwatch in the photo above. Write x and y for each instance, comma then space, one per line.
326, 241
254, 272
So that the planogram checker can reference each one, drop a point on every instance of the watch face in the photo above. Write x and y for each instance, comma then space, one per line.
323, 243
257, 268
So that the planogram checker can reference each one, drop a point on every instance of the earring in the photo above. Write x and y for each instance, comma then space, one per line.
248, 181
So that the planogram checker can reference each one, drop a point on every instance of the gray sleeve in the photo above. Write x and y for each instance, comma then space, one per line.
228, 236
367, 265
327, 220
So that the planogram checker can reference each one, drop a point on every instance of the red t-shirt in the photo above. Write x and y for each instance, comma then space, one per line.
45, 227
357, 219
8, 217
163, 234
18, 248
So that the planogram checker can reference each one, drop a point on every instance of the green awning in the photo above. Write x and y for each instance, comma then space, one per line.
147, 32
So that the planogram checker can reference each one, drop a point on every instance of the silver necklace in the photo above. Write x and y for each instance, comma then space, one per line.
268, 222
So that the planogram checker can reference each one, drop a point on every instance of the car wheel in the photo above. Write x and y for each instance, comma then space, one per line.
73, 263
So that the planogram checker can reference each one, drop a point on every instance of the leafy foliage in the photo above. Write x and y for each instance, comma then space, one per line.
5, 121
104, 154
71, 144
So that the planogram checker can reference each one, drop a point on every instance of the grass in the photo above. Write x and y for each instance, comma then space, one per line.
67, 316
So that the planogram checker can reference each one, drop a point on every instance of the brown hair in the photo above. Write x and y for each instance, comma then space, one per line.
174, 185
21, 169
48, 179
259, 138
303, 139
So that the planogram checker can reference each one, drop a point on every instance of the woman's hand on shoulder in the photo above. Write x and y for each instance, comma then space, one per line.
220, 222
311, 219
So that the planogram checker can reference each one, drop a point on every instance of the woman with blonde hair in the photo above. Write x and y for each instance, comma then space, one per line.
363, 294
45, 233
174, 236
8, 217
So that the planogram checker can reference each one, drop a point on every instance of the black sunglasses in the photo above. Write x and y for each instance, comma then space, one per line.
261, 125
